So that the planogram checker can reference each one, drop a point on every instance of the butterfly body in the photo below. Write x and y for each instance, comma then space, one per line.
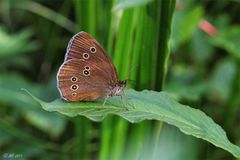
117, 88
87, 72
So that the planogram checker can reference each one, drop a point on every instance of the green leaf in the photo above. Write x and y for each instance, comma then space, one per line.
17, 43
52, 124
184, 24
149, 105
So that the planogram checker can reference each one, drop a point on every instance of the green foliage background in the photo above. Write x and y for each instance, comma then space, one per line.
202, 70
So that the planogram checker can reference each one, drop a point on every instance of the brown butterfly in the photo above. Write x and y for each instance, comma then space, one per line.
87, 72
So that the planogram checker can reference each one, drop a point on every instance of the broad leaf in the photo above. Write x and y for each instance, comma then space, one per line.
16, 44
149, 105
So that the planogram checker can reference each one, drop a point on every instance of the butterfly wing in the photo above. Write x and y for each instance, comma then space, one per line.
83, 46
81, 80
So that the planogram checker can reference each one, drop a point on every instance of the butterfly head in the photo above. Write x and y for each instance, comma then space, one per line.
122, 84
119, 86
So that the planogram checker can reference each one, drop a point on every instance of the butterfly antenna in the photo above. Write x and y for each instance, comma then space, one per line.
129, 74
131, 70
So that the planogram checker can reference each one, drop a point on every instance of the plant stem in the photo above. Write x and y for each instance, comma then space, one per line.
82, 126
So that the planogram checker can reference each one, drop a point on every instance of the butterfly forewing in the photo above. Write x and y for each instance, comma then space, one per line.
83, 46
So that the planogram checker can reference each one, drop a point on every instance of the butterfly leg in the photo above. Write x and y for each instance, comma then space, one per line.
105, 100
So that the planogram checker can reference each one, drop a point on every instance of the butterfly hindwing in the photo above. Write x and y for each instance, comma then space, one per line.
80, 80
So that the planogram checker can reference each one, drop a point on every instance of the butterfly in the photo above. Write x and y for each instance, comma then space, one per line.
87, 72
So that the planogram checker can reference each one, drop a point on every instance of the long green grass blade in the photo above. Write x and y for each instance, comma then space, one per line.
47, 13
164, 34
124, 4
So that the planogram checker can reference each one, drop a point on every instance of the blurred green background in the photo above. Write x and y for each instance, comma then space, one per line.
200, 68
